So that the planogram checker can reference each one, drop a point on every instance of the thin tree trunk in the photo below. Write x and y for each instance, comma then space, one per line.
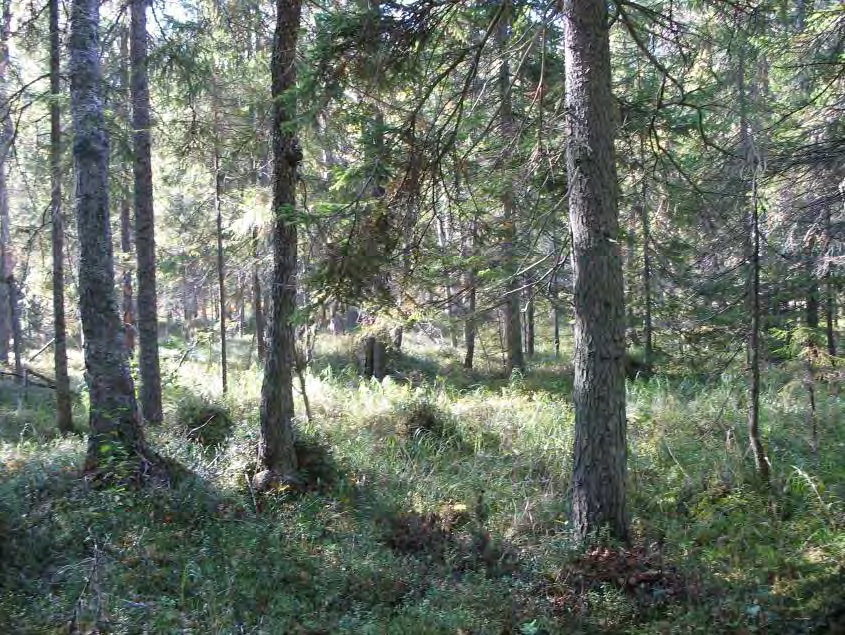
64, 418
747, 147
124, 103
600, 449
116, 434
15, 301
555, 295
256, 300
529, 320
276, 451
6, 266
145, 246
221, 271
471, 281
513, 329
648, 333
760, 459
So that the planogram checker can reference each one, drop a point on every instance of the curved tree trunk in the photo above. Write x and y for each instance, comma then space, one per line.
600, 453
145, 246
115, 428
276, 450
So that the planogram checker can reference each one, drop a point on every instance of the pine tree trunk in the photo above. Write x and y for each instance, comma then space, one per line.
124, 107
64, 418
600, 452
648, 333
513, 329
256, 300
5, 142
470, 320
753, 246
115, 428
555, 296
145, 246
15, 301
276, 450
221, 270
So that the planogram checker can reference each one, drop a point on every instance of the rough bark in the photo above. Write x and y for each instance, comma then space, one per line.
600, 450
123, 114
64, 419
5, 141
115, 429
513, 330
145, 246
276, 450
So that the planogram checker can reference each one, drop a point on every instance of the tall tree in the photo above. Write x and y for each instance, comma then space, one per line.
115, 429
5, 146
513, 330
145, 245
123, 109
63, 405
276, 449
752, 164
600, 452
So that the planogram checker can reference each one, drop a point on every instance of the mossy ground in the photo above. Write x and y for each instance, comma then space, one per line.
458, 527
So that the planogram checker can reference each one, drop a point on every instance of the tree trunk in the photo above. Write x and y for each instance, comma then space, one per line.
256, 300
513, 329
555, 295
6, 266
751, 162
600, 452
221, 271
15, 301
276, 450
64, 418
648, 333
470, 320
124, 103
145, 246
529, 320
830, 290
12, 287
115, 429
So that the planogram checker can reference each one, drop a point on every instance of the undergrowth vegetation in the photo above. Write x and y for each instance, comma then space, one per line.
439, 505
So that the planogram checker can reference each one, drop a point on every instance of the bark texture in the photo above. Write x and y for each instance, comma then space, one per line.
5, 141
276, 450
115, 429
600, 452
145, 246
63, 405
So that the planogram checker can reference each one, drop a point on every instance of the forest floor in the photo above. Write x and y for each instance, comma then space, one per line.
439, 505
